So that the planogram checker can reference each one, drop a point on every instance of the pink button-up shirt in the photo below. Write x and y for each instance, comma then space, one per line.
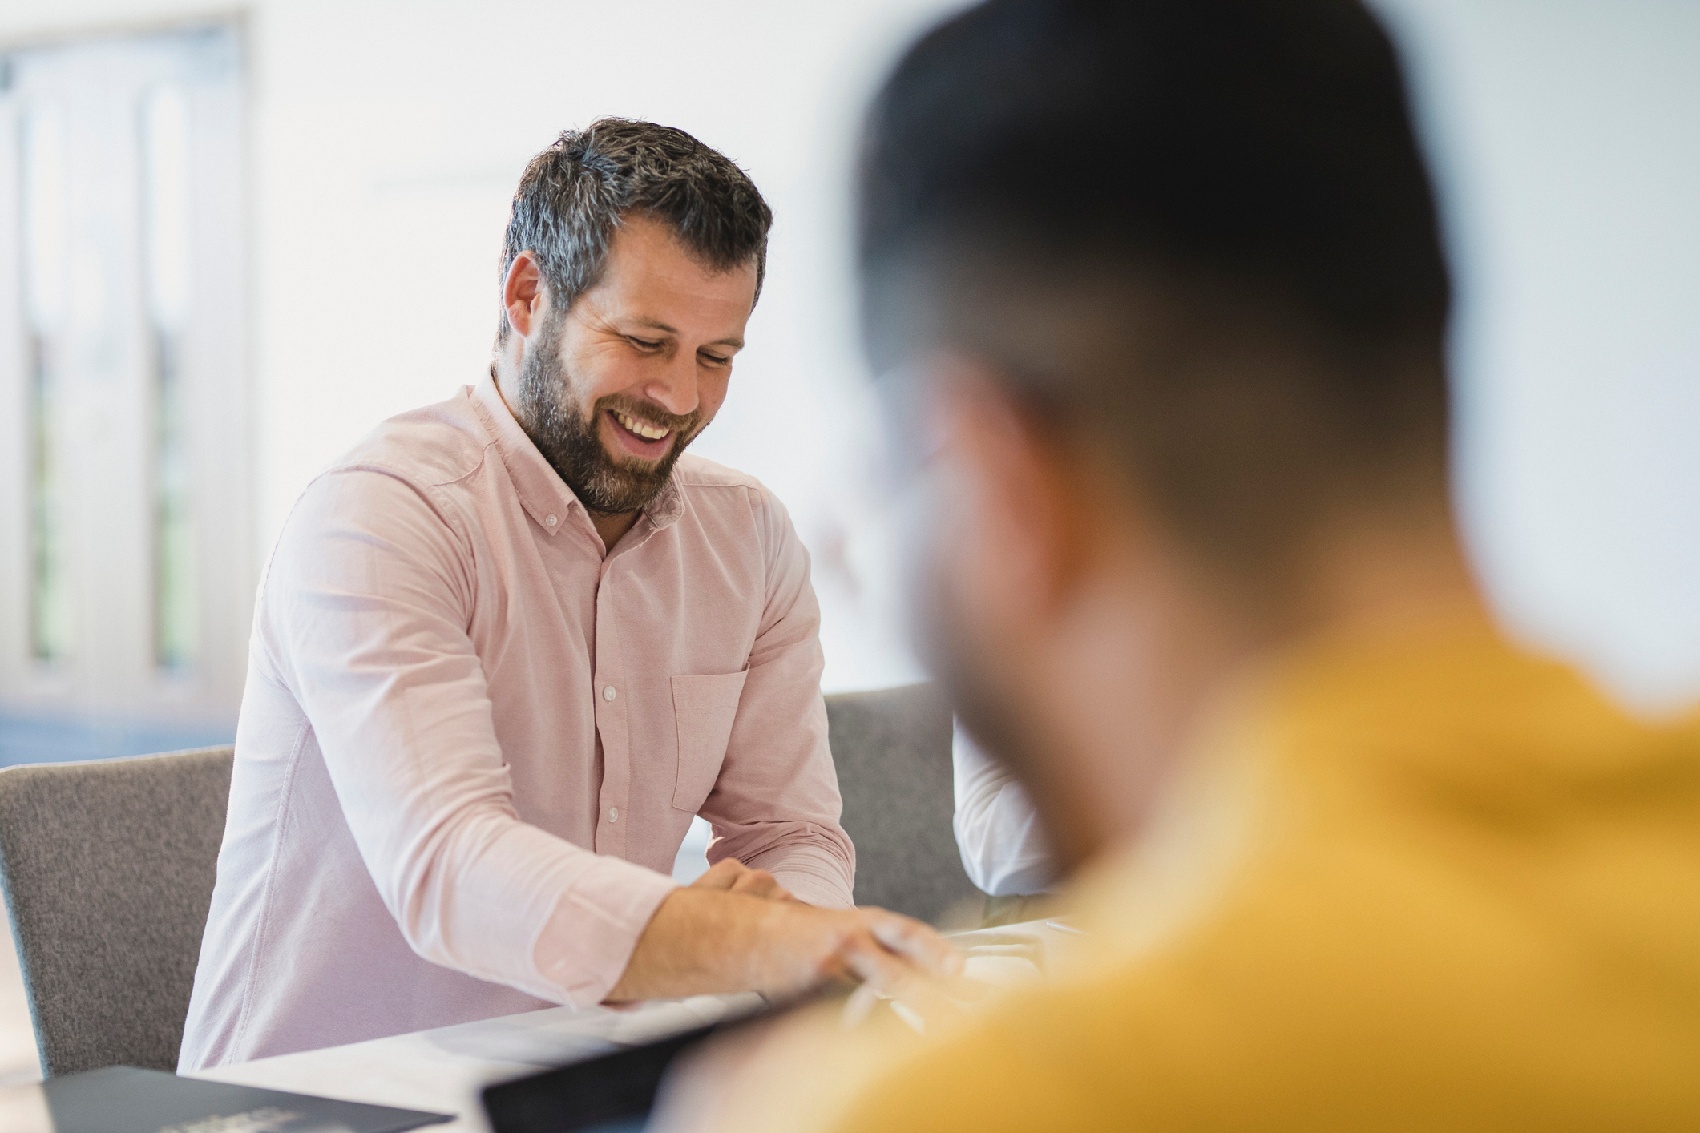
471, 743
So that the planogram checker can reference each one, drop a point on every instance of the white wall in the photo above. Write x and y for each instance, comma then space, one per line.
1567, 135
387, 136
389, 139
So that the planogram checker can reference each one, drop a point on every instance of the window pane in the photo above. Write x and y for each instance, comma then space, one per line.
44, 200
165, 246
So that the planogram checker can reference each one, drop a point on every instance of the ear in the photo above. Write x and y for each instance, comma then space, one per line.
523, 295
1024, 514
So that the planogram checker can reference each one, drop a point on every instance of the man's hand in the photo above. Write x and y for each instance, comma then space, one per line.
715, 938
734, 876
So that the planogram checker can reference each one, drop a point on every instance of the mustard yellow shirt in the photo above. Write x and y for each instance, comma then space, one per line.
1424, 881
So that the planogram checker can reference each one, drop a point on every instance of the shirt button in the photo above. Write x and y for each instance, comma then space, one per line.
609, 693
550, 519
613, 814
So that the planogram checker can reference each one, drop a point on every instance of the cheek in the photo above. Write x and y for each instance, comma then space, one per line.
711, 392
982, 553
957, 625
598, 373
944, 552
922, 538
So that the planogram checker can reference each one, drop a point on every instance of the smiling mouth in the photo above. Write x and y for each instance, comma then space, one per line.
640, 429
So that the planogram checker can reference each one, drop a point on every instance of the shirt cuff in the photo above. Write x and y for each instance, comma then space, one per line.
588, 939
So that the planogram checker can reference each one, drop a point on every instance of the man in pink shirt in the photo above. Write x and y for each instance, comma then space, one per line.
507, 648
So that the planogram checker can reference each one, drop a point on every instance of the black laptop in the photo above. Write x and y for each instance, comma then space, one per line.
611, 1093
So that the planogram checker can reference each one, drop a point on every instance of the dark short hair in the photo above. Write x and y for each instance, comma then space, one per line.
1033, 171
574, 194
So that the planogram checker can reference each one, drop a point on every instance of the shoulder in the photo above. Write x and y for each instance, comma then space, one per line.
720, 496
699, 474
708, 488
1072, 1055
427, 448
985, 1072
389, 488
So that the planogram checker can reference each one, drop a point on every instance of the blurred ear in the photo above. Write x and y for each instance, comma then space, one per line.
523, 294
1022, 512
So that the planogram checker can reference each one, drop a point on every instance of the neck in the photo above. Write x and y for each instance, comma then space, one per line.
504, 374
613, 527
1114, 692
1372, 571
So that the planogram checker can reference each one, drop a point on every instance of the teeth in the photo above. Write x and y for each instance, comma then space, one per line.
647, 432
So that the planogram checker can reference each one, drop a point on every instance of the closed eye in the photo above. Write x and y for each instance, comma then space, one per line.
647, 345
715, 359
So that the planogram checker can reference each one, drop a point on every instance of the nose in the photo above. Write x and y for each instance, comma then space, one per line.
674, 388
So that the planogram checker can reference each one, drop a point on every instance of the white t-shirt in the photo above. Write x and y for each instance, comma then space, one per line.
997, 830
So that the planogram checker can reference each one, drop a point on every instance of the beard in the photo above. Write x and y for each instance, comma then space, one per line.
989, 708
942, 629
988, 701
570, 441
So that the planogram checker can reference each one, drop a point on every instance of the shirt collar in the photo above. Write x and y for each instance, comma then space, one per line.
542, 492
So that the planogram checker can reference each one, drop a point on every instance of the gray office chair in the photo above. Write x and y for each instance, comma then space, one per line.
108, 872
892, 749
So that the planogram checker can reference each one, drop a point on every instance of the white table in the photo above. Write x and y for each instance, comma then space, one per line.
443, 1070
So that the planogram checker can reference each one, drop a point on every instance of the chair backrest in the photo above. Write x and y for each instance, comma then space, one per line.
108, 873
892, 749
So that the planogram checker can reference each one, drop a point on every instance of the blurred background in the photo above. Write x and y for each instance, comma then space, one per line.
234, 236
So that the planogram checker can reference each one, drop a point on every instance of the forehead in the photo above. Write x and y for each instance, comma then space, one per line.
650, 271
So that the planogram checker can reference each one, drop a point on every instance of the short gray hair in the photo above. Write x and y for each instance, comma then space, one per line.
574, 195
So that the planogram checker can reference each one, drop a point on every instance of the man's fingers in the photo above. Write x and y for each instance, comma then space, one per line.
865, 959
723, 874
760, 883
915, 942
734, 876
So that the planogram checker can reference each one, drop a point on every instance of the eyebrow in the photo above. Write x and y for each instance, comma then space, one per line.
735, 342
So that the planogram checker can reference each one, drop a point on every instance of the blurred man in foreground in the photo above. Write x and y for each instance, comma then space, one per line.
1162, 299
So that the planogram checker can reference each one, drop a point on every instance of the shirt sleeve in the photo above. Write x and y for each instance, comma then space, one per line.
775, 805
366, 617
997, 831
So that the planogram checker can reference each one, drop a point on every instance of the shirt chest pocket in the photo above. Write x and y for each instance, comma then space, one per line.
704, 708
